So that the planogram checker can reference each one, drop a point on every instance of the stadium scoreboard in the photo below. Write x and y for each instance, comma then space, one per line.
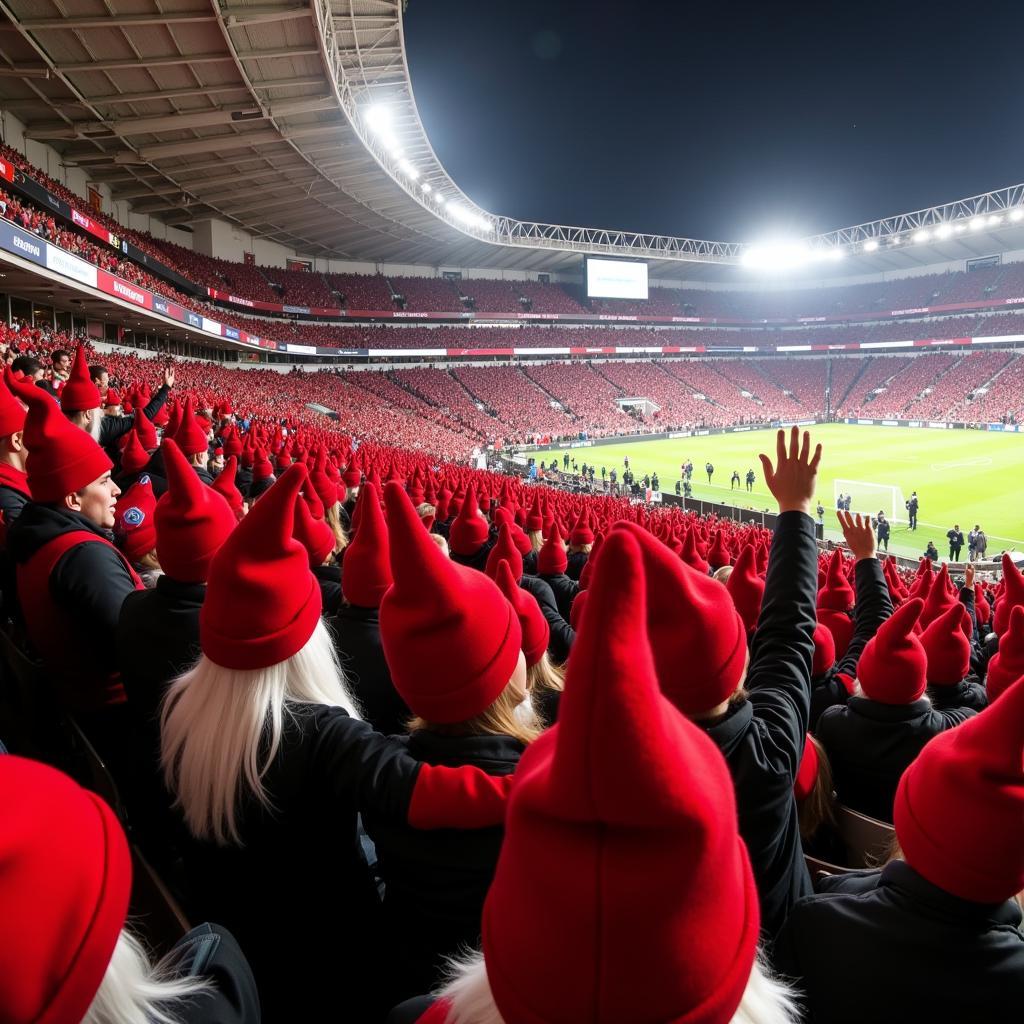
614, 279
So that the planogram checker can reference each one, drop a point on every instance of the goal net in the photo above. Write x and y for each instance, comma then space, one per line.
871, 498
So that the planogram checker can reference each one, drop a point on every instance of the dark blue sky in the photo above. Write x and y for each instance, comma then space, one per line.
719, 120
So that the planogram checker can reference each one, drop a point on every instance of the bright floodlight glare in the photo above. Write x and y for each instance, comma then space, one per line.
977, 223
378, 117
943, 231
1016, 215
870, 245
921, 236
959, 228
776, 256
994, 220
441, 200
836, 253
895, 240
426, 187
408, 170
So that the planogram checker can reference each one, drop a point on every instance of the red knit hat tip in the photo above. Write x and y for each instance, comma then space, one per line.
893, 665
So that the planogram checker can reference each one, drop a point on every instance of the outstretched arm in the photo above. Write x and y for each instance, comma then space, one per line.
779, 678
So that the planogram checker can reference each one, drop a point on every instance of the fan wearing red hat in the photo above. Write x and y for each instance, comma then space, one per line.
135, 532
469, 534
81, 402
832, 680
356, 626
71, 580
935, 935
14, 491
454, 647
111, 403
754, 706
581, 542
158, 629
947, 645
65, 888
552, 562
885, 725
262, 747
624, 892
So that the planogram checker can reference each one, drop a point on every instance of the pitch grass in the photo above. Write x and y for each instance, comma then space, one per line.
961, 476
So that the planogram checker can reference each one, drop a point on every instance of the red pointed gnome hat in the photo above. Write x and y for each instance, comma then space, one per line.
1012, 595
12, 413
837, 594
326, 489
552, 559
807, 773
134, 458
62, 458
939, 599
312, 530
1007, 665
746, 588
581, 532
66, 879
224, 485
146, 431
261, 467
190, 437
535, 628
947, 646
79, 393
134, 526
692, 556
640, 851
893, 666
505, 550
469, 530
232, 446
696, 635
534, 518
367, 574
719, 554
588, 568
960, 805
192, 520
981, 605
262, 601
824, 651
451, 640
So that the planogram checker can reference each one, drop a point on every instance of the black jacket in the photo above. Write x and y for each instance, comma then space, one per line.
297, 892
576, 560
562, 634
357, 639
329, 578
874, 606
870, 744
205, 475
967, 694
12, 502
158, 639
565, 590
89, 583
763, 737
435, 882
211, 952
113, 428
889, 947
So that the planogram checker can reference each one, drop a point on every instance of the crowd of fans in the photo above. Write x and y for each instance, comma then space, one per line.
541, 756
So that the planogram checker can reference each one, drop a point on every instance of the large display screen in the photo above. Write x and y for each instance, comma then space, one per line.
615, 279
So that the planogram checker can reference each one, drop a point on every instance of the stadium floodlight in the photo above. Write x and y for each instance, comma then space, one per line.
378, 118
895, 240
426, 187
959, 228
776, 256
1016, 215
943, 231
922, 236
408, 170
441, 201
871, 245
994, 220
977, 223
835, 254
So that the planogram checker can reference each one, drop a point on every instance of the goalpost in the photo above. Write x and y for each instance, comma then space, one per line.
868, 498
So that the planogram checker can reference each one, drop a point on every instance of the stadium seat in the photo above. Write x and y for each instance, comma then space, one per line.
868, 841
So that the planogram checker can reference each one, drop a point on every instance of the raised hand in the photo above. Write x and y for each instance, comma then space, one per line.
169, 376
792, 480
860, 538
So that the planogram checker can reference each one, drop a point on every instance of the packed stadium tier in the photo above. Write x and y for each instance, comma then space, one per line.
464, 406
305, 289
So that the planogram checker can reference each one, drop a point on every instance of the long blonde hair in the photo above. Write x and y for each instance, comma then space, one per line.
509, 715
766, 999
220, 730
536, 539
134, 992
545, 675
333, 519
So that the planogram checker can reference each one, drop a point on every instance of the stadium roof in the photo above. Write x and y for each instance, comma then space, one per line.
297, 121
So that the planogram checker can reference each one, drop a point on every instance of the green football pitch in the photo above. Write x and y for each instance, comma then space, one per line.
961, 476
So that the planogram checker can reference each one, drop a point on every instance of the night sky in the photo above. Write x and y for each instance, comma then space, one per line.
729, 121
